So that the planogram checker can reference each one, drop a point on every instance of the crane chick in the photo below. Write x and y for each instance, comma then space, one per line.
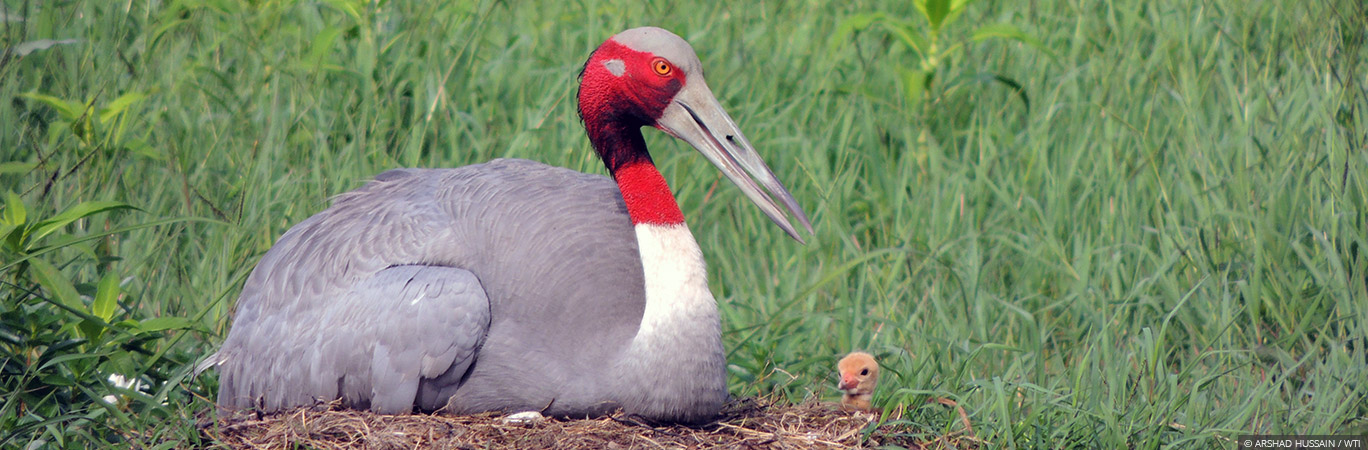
859, 375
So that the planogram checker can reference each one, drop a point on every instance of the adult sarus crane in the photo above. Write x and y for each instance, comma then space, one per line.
511, 285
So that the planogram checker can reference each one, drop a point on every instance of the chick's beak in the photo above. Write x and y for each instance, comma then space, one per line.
848, 382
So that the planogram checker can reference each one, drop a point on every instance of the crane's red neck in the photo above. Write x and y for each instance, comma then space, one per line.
616, 99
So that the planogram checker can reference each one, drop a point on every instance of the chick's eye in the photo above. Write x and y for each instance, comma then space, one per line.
864, 372
661, 67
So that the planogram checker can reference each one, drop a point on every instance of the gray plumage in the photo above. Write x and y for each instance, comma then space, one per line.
510, 285
447, 252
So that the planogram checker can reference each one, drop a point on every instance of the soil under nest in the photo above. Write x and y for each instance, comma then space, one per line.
744, 424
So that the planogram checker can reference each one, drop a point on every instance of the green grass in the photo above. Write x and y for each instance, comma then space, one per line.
1167, 248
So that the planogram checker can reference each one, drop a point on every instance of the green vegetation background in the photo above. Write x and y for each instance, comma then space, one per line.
1132, 224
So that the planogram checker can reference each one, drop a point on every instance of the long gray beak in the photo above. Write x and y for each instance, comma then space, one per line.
696, 117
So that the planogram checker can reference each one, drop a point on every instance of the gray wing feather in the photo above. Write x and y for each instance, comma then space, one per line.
435, 321
329, 311
371, 347
324, 314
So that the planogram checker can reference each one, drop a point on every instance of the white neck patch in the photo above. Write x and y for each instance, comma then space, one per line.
675, 365
615, 67
677, 294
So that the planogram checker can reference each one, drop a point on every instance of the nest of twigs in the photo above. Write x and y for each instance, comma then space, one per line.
744, 424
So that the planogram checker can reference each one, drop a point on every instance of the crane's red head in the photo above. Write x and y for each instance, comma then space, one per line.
624, 82
650, 77
628, 82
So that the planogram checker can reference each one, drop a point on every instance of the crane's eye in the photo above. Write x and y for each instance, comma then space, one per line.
864, 372
661, 67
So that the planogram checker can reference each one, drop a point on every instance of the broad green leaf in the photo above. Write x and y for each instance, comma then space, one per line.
848, 26
91, 329
951, 18
141, 148
119, 105
914, 85
5, 235
14, 239
846, 30
15, 214
84, 209
69, 110
58, 286
164, 323
16, 167
57, 132
106, 297
934, 11
1009, 31
322, 44
905, 32
922, 9
957, 8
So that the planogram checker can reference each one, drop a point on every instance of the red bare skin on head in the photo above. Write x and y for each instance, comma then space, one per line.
636, 97
859, 376
621, 91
